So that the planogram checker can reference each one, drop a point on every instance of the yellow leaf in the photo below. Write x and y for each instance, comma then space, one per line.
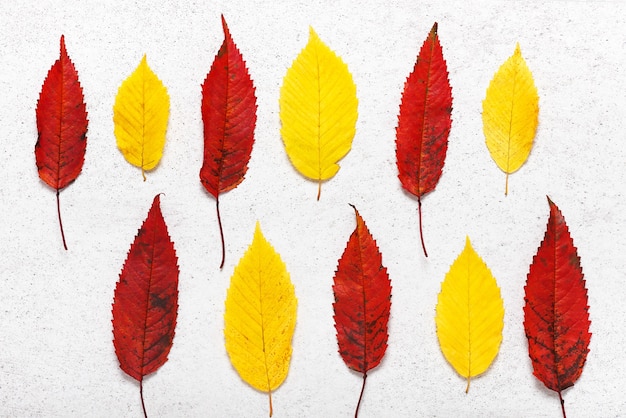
318, 111
470, 315
510, 114
140, 116
260, 317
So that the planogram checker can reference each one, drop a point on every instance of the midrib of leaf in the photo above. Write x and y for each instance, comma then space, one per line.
554, 333
363, 284
145, 322
427, 87
319, 125
508, 142
554, 312
143, 116
61, 115
267, 374
469, 329
365, 368
220, 166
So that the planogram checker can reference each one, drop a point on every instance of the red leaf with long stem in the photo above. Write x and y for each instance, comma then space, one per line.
146, 300
61, 127
229, 116
424, 123
362, 303
556, 317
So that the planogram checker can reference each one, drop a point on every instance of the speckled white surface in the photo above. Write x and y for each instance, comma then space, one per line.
56, 354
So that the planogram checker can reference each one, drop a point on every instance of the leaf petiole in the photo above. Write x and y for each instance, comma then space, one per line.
60, 222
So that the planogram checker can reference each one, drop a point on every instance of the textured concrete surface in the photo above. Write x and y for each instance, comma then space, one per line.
56, 354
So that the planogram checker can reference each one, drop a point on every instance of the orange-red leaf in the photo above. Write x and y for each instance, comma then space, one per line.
146, 300
229, 116
424, 123
362, 302
556, 317
61, 127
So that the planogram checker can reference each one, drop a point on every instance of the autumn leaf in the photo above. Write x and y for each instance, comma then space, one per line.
146, 300
362, 292
469, 315
556, 317
61, 128
260, 317
140, 116
229, 116
424, 123
510, 114
318, 111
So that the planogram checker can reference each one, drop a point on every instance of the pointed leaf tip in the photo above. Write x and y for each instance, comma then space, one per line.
63, 50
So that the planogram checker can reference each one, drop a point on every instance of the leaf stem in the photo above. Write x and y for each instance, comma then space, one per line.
419, 211
506, 185
219, 221
356, 413
468, 385
60, 222
143, 405
562, 404
271, 408
319, 189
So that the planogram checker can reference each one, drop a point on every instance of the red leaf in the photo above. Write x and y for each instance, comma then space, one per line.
146, 300
229, 116
61, 127
424, 123
556, 317
362, 302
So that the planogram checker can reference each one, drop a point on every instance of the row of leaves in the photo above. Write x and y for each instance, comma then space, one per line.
318, 111
261, 307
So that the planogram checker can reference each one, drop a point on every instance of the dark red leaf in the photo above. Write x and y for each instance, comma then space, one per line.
61, 127
556, 317
362, 302
146, 300
424, 123
229, 116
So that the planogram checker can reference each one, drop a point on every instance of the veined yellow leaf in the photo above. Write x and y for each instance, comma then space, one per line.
470, 315
510, 114
260, 317
318, 111
140, 116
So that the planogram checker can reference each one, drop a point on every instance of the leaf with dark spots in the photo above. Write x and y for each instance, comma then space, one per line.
556, 314
61, 128
145, 304
362, 293
229, 117
424, 123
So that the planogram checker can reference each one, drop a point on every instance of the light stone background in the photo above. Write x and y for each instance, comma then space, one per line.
56, 354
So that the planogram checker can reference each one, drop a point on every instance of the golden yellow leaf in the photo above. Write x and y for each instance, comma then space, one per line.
140, 116
318, 111
260, 317
510, 114
470, 315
